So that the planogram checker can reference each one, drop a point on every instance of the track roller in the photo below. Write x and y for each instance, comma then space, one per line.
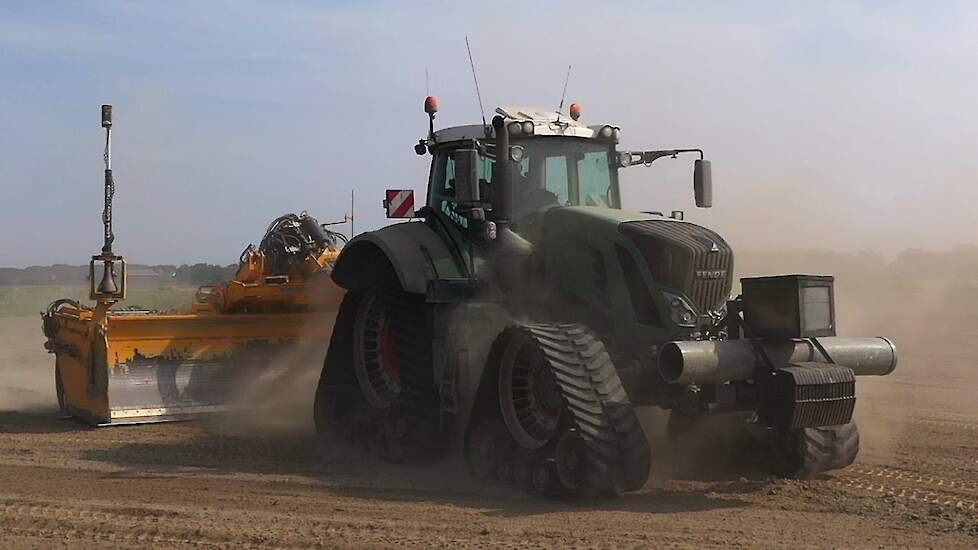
571, 460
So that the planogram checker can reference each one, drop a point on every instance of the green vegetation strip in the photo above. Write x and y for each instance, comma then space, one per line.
18, 301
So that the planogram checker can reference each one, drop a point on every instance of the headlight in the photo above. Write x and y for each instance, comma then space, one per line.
516, 153
615, 134
680, 311
606, 132
528, 128
515, 128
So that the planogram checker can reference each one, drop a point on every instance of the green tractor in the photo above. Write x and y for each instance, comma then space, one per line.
521, 315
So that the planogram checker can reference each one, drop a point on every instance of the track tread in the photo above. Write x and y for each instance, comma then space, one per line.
619, 454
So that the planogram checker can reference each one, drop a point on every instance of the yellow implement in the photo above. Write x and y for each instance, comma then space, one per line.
126, 366
143, 366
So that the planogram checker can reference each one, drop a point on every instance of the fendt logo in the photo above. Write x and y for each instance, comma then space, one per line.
711, 274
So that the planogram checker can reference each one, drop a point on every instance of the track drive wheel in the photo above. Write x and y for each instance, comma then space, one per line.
375, 359
805, 453
529, 396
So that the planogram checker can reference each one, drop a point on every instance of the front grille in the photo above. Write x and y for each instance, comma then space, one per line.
685, 257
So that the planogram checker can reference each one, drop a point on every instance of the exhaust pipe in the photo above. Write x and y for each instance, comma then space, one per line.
729, 360
511, 252
502, 196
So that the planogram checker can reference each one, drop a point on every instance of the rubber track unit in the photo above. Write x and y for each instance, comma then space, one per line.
413, 417
823, 449
413, 346
409, 425
619, 457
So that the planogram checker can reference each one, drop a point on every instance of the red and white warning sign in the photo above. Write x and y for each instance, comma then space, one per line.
400, 203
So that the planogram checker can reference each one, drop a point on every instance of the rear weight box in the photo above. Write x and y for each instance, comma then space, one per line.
789, 306
808, 395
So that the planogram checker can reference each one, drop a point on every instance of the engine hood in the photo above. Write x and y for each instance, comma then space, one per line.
686, 257
680, 255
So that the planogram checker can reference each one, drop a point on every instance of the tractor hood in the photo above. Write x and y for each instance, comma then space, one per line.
679, 255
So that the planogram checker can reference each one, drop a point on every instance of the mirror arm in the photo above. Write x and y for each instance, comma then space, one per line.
648, 157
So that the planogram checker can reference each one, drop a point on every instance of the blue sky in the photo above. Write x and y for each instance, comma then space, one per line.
831, 125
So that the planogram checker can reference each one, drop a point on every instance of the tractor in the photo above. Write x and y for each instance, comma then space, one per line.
521, 315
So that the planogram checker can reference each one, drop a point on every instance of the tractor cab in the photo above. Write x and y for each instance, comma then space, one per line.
557, 161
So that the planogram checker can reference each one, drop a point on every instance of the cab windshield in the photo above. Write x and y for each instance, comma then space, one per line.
554, 171
560, 171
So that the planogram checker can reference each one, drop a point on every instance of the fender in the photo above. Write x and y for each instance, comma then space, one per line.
412, 254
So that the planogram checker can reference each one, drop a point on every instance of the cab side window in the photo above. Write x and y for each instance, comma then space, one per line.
595, 178
443, 185
555, 181
444, 177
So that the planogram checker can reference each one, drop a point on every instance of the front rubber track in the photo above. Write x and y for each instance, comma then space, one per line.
596, 408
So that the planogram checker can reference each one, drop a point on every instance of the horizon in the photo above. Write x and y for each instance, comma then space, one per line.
864, 255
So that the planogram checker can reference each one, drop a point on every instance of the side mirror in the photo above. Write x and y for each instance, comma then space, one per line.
703, 183
467, 176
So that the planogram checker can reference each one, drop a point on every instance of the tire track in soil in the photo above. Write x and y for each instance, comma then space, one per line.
934, 418
142, 526
29, 517
899, 474
898, 483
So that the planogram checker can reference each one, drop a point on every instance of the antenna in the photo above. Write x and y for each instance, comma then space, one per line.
427, 87
564, 93
478, 94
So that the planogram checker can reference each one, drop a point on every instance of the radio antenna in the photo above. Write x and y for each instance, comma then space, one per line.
563, 94
427, 87
478, 94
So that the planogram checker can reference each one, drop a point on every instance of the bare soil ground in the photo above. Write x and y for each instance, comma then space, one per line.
263, 483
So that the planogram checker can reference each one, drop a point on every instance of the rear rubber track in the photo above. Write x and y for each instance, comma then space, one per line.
414, 434
406, 430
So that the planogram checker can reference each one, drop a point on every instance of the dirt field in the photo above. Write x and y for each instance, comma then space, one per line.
247, 483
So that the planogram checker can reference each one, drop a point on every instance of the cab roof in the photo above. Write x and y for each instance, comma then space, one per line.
545, 123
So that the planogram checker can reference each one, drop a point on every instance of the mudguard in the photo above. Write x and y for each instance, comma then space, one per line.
413, 252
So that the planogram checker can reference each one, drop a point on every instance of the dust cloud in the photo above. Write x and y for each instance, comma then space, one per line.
925, 302
26, 370
276, 399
